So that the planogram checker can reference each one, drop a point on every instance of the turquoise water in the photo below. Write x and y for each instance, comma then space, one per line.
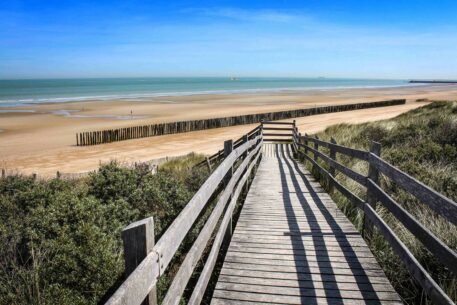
18, 92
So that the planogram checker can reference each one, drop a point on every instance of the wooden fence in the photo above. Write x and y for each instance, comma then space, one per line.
146, 261
273, 134
113, 135
443, 206
153, 164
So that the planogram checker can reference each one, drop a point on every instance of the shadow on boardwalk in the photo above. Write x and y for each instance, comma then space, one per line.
292, 246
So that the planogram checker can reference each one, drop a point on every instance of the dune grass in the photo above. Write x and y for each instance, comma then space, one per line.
422, 143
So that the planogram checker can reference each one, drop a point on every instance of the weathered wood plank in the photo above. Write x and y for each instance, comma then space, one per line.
309, 257
432, 289
343, 190
302, 263
278, 128
357, 177
306, 283
174, 235
277, 134
315, 277
351, 152
430, 241
290, 236
276, 140
276, 123
287, 299
310, 292
174, 293
140, 282
205, 274
437, 202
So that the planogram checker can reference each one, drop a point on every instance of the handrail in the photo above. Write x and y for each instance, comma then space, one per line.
205, 275
217, 156
436, 246
432, 289
359, 178
351, 152
185, 271
435, 201
211, 160
145, 276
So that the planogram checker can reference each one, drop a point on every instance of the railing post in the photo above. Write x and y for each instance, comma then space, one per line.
245, 140
332, 169
294, 136
373, 174
208, 163
261, 127
228, 148
305, 141
138, 238
315, 155
299, 140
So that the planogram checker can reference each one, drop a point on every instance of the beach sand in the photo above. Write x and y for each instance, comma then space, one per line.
43, 141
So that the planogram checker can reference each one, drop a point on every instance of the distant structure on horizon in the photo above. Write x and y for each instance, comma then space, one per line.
433, 81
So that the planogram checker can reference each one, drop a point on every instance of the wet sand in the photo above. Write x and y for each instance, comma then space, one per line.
43, 141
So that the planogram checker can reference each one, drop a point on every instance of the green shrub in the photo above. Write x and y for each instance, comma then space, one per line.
60, 240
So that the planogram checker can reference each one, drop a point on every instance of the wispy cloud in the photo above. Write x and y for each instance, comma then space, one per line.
257, 15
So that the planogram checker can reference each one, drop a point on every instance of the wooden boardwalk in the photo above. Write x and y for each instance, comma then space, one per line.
292, 245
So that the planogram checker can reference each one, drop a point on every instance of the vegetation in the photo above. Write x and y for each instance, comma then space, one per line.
60, 239
422, 143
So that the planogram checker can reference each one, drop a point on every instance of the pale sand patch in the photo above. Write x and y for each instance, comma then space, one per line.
44, 142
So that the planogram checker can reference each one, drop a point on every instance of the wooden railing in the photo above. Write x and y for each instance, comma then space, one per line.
272, 134
216, 158
146, 261
443, 206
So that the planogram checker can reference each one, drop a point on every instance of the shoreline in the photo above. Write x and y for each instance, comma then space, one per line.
145, 97
44, 142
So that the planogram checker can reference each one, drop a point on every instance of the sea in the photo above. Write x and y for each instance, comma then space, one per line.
23, 92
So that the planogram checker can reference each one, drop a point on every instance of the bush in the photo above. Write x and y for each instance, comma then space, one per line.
60, 240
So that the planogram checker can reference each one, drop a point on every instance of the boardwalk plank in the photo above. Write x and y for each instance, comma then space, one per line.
292, 245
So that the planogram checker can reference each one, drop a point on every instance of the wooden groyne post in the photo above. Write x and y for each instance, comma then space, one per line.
135, 132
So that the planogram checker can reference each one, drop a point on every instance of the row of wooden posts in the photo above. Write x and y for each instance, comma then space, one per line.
33, 175
114, 135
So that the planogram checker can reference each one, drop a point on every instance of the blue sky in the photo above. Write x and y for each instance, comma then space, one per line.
364, 39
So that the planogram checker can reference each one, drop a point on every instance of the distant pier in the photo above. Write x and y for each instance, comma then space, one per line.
433, 81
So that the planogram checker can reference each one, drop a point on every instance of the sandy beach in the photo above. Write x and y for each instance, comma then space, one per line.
41, 138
